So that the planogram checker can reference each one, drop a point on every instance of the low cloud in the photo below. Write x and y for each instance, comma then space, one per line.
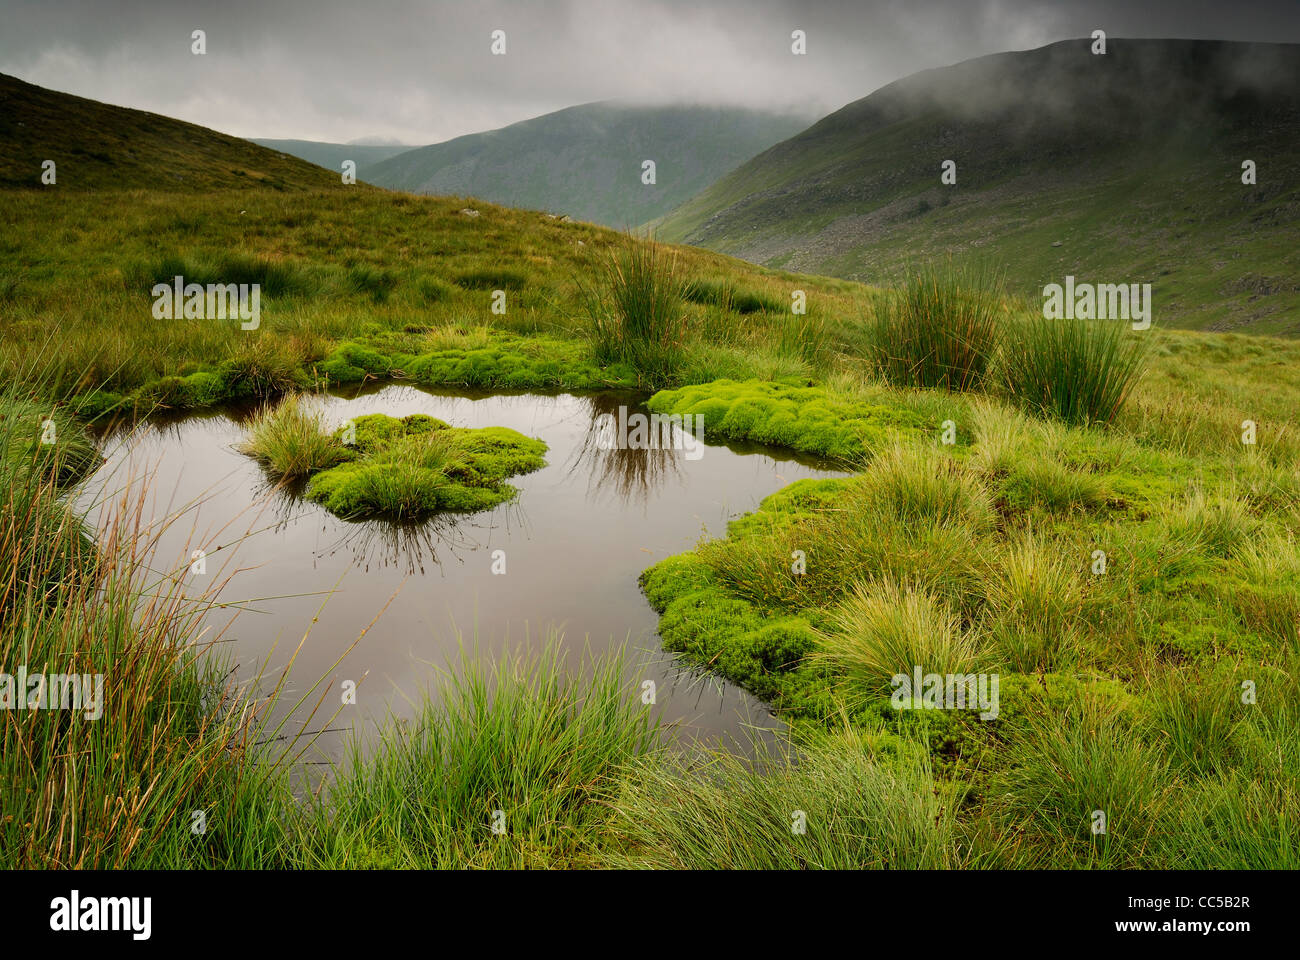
421, 72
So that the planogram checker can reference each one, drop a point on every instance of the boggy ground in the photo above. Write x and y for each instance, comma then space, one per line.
1156, 683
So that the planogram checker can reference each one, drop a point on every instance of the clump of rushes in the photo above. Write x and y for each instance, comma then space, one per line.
638, 318
1079, 371
291, 441
939, 328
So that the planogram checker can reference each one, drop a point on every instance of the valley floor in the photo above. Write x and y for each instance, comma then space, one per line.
1135, 588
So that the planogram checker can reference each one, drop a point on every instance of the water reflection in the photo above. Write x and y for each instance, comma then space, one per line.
576, 539
619, 471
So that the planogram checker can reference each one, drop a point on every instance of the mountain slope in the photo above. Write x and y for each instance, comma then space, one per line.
97, 146
586, 161
1117, 168
331, 155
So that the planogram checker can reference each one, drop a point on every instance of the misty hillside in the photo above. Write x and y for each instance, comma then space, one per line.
586, 161
98, 146
1117, 168
331, 155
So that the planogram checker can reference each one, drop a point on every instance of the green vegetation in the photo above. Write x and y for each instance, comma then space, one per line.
521, 736
113, 784
638, 319
869, 803
290, 442
938, 329
381, 466
725, 294
1106, 543
1066, 164
1081, 371
1121, 684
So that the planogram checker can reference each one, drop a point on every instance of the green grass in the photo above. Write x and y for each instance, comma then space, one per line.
886, 628
118, 790
968, 534
523, 735
1077, 370
289, 441
843, 803
939, 328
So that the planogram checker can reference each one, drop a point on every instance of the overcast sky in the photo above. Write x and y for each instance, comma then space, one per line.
421, 71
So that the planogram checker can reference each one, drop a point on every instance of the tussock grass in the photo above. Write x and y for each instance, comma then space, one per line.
1079, 371
726, 294
1034, 602
290, 440
860, 811
939, 328
525, 735
909, 484
885, 628
276, 277
1067, 765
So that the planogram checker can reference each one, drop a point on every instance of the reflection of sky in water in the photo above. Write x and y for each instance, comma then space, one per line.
575, 540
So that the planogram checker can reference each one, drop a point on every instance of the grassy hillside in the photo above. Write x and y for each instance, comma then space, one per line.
1158, 684
1117, 168
96, 146
331, 155
586, 161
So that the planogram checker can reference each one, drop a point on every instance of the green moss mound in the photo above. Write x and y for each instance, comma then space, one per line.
412, 468
790, 414
503, 362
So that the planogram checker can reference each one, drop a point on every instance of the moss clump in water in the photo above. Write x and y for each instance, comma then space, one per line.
411, 468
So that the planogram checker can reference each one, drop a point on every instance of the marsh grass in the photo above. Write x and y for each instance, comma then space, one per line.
729, 297
1079, 371
290, 441
527, 734
938, 329
1034, 604
276, 277
861, 811
118, 791
1070, 763
884, 628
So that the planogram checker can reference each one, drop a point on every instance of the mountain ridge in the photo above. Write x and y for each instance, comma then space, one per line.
587, 160
1055, 175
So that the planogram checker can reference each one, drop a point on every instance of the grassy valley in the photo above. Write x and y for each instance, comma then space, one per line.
331, 155
1123, 167
1158, 682
586, 162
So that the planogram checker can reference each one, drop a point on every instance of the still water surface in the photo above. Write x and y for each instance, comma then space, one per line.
575, 540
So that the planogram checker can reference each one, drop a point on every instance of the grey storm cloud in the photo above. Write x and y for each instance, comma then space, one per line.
421, 72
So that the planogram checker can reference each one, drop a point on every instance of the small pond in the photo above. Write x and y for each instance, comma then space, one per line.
576, 538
